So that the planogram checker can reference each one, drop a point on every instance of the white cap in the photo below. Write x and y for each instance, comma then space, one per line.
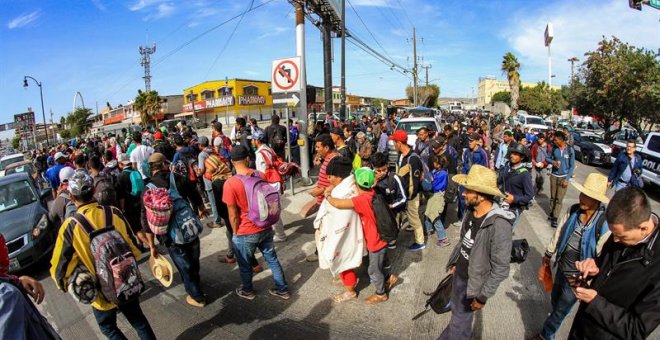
66, 173
59, 155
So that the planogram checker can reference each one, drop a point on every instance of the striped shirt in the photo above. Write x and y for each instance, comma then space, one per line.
323, 177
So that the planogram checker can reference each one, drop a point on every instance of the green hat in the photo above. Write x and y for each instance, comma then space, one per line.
163, 129
364, 177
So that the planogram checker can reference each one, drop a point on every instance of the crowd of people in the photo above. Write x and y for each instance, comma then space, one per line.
147, 191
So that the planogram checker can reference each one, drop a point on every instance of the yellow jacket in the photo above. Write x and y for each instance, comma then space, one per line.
72, 247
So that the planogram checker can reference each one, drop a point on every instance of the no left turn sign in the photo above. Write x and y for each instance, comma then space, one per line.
286, 75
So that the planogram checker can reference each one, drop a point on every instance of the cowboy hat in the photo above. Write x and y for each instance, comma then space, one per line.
479, 179
595, 186
161, 268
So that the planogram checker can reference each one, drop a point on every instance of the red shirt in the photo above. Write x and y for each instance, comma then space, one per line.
362, 206
323, 177
233, 193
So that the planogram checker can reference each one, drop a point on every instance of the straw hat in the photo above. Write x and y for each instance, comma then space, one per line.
479, 179
161, 268
595, 186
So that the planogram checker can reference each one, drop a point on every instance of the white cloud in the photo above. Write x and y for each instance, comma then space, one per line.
578, 27
372, 3
163, 10
99, 5
142, 4
273, 32
23, 20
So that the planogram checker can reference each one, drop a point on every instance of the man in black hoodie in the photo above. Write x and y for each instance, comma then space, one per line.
622, 301
516, 180
184, 256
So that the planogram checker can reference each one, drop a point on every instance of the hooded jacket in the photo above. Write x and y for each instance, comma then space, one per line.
628, 284
490, 255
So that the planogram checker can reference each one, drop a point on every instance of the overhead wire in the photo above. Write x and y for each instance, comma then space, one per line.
405, 12
367, 28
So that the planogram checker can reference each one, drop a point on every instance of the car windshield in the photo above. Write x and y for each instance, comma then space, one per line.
412, 127
17, 169
594, 139
16, 194
535, 120
4, 163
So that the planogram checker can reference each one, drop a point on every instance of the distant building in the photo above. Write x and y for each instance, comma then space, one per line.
488, 86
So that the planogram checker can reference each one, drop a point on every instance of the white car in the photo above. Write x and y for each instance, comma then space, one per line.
531, 122
9, 159
411, 126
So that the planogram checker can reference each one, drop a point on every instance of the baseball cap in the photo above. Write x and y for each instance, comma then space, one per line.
65, 174
364, 177
399, 136
239, 153
157, 157
124, 159
474, 136
508, 132
80, 183
158, 135
257, 135
59, 155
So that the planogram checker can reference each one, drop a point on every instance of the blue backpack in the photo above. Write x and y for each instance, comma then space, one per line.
137, 184
185, 227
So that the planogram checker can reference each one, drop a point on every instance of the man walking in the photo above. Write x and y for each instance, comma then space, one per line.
562, 158
247, 235
480, 262
204, 153
472, 155
622, 301
627, 169
581, 235
539, 155
275, 136
516, 180
140, 155
501, 157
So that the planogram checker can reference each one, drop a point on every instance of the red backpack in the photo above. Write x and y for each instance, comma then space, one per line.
273, 162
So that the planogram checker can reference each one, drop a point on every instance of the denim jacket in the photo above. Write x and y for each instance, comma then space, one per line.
566, 160
620, 165
589, 246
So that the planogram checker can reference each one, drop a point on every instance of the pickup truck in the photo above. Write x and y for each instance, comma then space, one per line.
650, 152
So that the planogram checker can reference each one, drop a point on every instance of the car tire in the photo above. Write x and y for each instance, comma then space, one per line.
584, 158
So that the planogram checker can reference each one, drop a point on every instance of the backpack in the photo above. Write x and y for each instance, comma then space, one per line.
426, 177
225, 148
117, 272
273, 163
184, 226
263, 200
185, 166
69, 207
137, 184
386, 223
105, 191
278, 140
599, 222
158, 208
216, 168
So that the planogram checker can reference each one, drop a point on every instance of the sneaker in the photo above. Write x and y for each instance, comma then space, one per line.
257, 269
312, 258
245, 294
409, 228
193, 302
456, 224
279, 239
416, 246
374, 299
226, 259
391, 245
214, 225
442, 243
281, 295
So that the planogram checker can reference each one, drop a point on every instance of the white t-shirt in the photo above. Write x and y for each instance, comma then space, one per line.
140, 154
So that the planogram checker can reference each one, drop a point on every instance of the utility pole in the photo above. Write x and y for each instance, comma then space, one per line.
302, 114
342, 110
145, 61
573, 60
327, 67
414, 70
427, 67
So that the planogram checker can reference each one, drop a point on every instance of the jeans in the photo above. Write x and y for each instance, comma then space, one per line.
107, 321
245, 247
214, 208
562, 300
557, 193
539, 179
518, 213
437, 225
460, 324
186, 260
375, 270
412, 211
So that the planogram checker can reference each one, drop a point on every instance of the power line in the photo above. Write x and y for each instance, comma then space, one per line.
379, 56
405, 13
228, 40
368, 30
396, 17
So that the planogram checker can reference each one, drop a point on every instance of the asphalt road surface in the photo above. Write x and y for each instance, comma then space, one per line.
516, 312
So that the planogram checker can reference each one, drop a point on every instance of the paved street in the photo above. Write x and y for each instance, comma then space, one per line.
516, 312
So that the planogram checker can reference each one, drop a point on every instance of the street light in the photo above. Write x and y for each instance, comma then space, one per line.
43, 112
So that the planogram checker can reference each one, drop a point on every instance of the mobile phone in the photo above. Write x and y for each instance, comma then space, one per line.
575, 280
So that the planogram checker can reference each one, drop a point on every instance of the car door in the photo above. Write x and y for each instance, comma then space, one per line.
577, 142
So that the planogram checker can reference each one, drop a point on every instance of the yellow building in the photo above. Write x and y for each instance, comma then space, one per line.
229, 99
488, 86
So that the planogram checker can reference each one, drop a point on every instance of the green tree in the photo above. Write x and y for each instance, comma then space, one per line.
65, 134
541, 100
502, 96
510, 67
619, 82
77, 121
148, 104
426, 95
16, 142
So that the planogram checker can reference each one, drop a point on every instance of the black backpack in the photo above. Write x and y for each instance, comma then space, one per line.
385, 219
278, 141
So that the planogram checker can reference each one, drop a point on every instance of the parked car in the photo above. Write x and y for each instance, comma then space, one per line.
25, 225
28, 168
531, 122
9, 159
650, 152
411, 126
591, 148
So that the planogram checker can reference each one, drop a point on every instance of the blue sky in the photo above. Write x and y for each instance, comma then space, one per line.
91, 46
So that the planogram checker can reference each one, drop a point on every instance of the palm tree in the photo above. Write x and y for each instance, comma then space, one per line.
510, 67
148, 104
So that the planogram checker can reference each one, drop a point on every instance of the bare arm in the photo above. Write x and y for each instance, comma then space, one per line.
234, 217
339, 203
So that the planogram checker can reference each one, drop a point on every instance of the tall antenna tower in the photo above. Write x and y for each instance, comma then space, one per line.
145, 61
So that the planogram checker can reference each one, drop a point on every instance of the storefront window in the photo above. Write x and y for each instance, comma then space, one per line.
208, 94
250, 90
225, 91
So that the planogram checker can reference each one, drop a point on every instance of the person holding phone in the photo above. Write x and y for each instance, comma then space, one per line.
582, 232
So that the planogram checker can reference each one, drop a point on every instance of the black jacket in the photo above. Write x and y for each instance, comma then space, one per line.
628, 284
517, 182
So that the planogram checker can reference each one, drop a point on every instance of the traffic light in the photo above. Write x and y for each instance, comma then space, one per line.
635, 4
